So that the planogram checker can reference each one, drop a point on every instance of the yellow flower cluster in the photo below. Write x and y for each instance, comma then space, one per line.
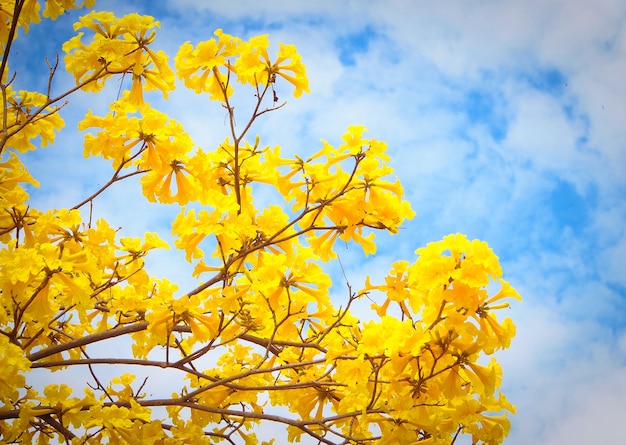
28, 117
260, 328
119, 46
25, 12
208, 66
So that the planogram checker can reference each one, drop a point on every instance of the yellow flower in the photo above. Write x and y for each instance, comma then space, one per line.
119, 46
14, 366
157, 184
254, 66
59, 396
27, 118
136, 247
298, 76
54, 8
12, 173
199, 67
152, 141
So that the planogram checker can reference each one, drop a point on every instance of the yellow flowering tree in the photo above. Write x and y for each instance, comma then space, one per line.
258, 339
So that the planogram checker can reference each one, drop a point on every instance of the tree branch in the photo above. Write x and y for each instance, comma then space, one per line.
111, 333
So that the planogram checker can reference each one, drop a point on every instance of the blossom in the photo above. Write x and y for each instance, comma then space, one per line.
29, 116
119, 46
199, 67
263, 325
14, 365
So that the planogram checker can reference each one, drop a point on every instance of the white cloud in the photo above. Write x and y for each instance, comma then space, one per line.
593, 413
541, 133
612, 262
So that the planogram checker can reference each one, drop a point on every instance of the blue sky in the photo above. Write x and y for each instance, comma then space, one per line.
505, 121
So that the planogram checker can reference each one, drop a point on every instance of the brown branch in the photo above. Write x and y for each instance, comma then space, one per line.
115, 178
303, 425
439, 318
222, 381
163, 365
11, 37
111, 181
264, 343
58, 426
42, 285
33, 117
111, 333
458, 431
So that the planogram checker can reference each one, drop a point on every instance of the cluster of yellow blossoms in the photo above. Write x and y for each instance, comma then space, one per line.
260, 329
